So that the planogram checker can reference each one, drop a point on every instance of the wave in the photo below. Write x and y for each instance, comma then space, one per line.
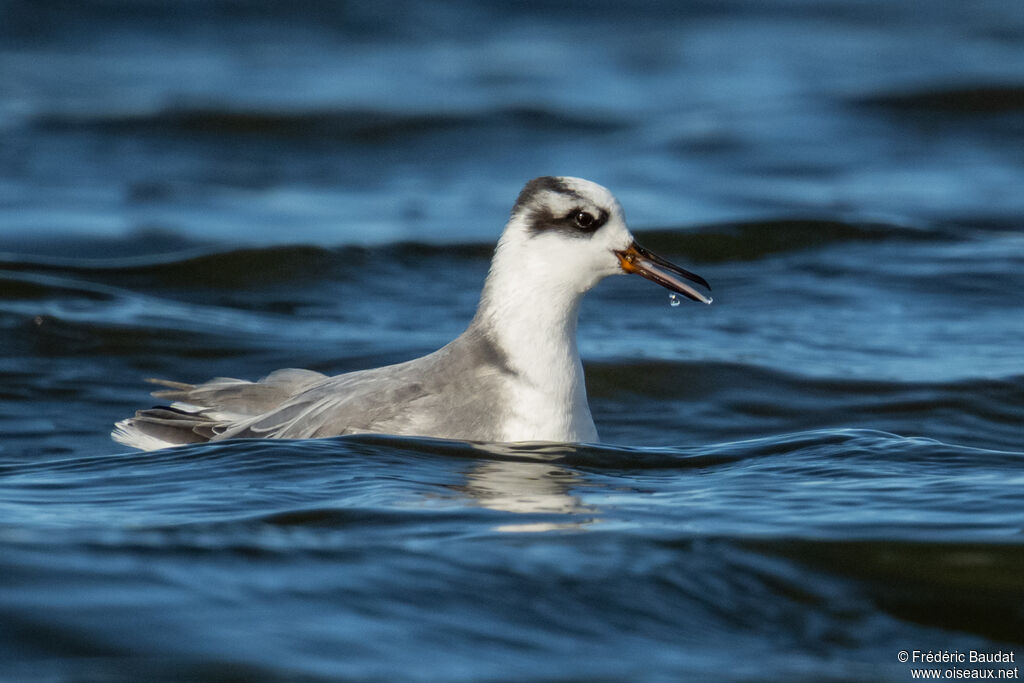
182, 260
693, 379
713, 398
850, 528
980, 582
752, 240
197, 266
237, 457
377, 127
35, 286
974, 99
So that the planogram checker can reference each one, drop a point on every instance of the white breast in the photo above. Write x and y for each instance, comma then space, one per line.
537, 414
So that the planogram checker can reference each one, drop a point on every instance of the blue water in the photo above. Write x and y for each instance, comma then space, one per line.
823, 468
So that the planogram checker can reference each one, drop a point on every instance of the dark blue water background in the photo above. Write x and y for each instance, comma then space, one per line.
821, 469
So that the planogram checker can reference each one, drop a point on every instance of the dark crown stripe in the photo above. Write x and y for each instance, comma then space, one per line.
543, 184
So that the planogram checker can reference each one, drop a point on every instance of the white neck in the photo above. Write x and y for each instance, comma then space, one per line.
530, 309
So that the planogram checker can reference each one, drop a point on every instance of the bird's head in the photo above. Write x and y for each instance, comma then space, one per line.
573, 231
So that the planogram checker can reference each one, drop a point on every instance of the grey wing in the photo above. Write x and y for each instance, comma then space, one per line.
202, 412
225, 399
355, 402
457, 392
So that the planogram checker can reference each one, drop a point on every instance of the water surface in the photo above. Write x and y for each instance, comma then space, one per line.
821, 469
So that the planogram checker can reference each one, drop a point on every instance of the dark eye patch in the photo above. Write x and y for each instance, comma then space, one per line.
577, 223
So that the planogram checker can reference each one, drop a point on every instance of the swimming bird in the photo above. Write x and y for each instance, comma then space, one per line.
514, 375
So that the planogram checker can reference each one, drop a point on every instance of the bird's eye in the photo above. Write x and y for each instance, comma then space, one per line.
583, 219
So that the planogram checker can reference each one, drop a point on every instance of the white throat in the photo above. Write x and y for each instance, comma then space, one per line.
530, 308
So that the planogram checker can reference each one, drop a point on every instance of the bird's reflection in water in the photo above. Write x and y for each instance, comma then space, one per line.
529, 488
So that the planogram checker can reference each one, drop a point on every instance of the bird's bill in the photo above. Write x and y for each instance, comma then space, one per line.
636, 259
